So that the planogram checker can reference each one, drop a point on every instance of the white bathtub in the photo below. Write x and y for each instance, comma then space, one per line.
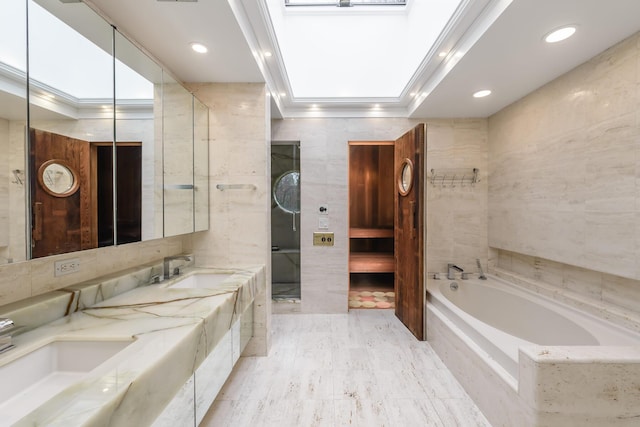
502, 340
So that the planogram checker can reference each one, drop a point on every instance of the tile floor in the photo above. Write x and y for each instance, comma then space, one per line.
358, 369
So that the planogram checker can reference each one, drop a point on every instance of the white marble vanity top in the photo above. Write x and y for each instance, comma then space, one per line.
171, 332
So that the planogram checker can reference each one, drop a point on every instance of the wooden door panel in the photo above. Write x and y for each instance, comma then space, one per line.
61, 224
409, 232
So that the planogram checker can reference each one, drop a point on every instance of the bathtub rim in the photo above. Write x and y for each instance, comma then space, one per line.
509, 369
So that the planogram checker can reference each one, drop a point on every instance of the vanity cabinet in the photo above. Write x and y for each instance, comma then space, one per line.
371, 208
191, 403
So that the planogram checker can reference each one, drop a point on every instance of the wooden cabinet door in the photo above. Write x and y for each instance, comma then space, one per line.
61, 221
409, 229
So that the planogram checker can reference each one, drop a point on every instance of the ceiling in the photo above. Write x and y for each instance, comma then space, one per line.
492, 44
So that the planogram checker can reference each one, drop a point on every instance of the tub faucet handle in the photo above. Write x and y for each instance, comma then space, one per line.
464, 276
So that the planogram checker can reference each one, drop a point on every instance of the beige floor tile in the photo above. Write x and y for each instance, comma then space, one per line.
358, 369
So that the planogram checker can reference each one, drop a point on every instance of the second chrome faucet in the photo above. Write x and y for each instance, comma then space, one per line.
166, 264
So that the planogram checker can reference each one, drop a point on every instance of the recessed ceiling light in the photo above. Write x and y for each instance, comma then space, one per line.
267, 54
442, 54
560, 34
482, 93
283, 95
199, 47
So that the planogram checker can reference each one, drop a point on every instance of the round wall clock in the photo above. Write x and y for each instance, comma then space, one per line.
58, 178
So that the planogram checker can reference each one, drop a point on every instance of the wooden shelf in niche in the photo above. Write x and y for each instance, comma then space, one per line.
370, 233
368, 262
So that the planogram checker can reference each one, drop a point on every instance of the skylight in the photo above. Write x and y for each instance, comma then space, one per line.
69, 62
363, 53
344, 3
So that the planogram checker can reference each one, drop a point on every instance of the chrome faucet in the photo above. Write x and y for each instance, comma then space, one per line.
6, 328
451, 269
167, 261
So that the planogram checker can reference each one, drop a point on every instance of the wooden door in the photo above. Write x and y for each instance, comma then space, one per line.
129, 191
409, 229
61, 220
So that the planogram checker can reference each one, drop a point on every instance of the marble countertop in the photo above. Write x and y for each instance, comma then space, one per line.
171, 332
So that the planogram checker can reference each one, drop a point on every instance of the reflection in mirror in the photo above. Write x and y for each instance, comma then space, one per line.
201, 165
139, 136
177, 107
13, 120
67, 115
70, 106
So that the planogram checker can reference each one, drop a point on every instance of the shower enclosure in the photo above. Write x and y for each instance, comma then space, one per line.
285, 220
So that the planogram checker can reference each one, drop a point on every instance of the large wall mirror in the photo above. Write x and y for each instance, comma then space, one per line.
100, 143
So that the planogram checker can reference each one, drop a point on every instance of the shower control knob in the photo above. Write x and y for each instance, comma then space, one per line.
323, 209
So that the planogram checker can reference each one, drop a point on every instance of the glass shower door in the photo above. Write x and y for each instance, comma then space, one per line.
285, 220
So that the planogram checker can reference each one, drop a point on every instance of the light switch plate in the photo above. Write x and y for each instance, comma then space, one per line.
323, 238
323, 223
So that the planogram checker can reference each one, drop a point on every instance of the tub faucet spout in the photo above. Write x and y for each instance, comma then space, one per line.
451, 269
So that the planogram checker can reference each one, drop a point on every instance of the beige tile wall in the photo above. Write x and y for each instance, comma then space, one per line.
4, 188
456, 217
564, 167
240, 220
30, 278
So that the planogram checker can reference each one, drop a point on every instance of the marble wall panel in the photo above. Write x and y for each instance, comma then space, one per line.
455, 218
17, 240
564, 164
597, 289
240, 220
30, 278
4, 189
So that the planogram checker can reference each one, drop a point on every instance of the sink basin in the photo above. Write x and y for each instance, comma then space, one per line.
202, 280
37, 376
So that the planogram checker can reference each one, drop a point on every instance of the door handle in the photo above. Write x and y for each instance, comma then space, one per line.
37, 221
412, 205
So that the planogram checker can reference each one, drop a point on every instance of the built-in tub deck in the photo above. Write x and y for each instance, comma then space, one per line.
547, 363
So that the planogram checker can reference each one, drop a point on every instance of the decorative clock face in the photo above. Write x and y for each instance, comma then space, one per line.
405, 178
57, 178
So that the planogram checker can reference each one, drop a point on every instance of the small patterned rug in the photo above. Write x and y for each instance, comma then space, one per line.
372, 299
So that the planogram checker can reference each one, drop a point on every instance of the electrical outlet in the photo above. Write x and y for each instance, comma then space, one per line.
67, 266
322, 239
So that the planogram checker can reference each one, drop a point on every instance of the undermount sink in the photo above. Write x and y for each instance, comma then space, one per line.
202, 280
32, 379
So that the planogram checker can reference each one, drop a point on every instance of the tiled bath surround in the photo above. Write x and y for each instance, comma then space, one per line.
611, 297
564, 221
